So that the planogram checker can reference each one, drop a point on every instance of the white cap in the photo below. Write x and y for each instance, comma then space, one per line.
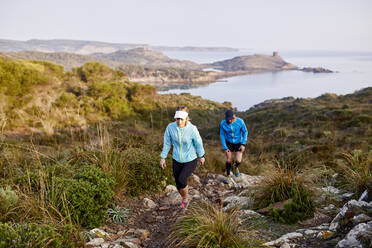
181, 114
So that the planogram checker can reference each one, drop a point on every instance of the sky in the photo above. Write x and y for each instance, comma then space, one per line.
338, 25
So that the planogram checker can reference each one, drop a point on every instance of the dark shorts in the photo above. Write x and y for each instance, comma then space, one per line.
181, 171
233, 147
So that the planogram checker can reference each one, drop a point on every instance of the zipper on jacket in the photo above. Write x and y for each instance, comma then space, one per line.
179, 140
232, 133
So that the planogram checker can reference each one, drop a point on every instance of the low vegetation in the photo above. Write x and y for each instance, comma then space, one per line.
206, 225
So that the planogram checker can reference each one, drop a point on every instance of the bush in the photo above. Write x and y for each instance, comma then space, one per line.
356, 170
283, 184
95, 72
8, 200
205, 226
88, 194
301, 207
145, 173
14, 235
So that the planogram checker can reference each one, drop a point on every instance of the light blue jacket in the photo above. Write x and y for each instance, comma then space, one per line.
186, 142
235, 132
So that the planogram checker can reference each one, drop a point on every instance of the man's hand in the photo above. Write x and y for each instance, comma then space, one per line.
162, 163
201, 161
242, 148
227, 151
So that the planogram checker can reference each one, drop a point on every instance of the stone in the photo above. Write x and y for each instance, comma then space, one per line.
95, 242
148, 203
122, 242
233, 201
364, 196
220, 178
318, 219
99, 233
194, 180
310, 232
323, 226
142, 234
276, 205
169, 189
121, 233
116, 246
330, 190
196, 197
105, 245
329, 207
247, 180
284, 239
348, 211
285, 245
251, 213
346, 196
128, 244
173, 198
361, 218
352, 238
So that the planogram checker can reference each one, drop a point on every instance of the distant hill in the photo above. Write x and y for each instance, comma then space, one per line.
147, 57
67, 60
138, 57
89, 47
253, 63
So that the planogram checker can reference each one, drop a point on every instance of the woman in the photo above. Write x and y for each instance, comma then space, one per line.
187, 150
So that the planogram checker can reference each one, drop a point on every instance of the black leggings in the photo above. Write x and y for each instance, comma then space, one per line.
181, 171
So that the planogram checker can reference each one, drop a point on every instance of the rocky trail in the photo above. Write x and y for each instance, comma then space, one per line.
151, 218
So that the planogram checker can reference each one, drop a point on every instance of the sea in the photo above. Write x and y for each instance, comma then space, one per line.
353, 72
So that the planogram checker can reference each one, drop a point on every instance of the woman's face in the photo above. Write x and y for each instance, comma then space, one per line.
181, 122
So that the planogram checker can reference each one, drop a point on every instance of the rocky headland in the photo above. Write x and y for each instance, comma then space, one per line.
148, 66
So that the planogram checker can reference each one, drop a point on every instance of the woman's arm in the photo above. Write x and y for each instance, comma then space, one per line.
167, 143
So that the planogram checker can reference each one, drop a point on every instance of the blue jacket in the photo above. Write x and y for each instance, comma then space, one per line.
186, 142
235, 132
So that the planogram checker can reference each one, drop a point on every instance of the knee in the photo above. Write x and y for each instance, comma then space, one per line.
180, 183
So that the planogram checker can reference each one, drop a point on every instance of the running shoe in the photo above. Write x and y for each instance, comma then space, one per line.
236, 171
227, 180
184, 205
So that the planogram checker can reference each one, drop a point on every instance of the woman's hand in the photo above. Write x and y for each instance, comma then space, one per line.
242, 148
201, 161
162, 163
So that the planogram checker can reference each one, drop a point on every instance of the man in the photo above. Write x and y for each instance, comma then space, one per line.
233, 134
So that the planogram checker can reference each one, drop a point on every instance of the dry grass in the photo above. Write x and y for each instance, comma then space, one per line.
356, 169
206, 225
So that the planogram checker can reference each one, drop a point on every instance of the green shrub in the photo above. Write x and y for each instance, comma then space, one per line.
8, 200
14, 235
118, 215
95, 72
145, 173
67, 100
88, 195
283, 184
301, 207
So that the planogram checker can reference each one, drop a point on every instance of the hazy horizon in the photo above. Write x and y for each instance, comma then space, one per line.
333, 25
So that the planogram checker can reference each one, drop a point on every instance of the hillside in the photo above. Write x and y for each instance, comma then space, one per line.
88, 47
147, 57
80, 150
253, 63
48, 99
